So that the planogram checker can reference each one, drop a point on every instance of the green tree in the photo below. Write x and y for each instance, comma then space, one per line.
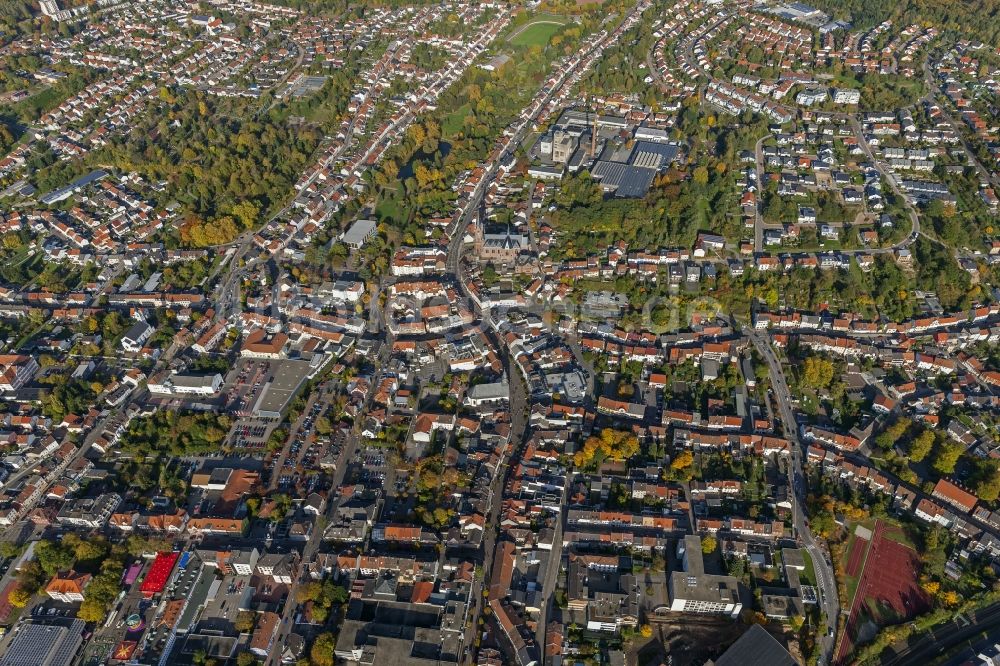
700, 176
947, 455
323, 426
922, 445
321, 652
986, 480
9, 550
887, 439
320, 613
53, 557
30, 577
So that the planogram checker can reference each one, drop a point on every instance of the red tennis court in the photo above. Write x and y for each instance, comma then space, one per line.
890, 582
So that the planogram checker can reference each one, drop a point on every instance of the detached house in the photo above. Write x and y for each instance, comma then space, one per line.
67, 587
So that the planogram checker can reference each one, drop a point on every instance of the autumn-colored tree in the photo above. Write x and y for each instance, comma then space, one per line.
947, 456
708, 545
852, 512
682, 460
246, 659
610, 444
247, 213
19, 597
11, 241
309, 592
949, 598
753, 617
416, 134
321, 652
817, 372
245, 622
91, 611
922, 445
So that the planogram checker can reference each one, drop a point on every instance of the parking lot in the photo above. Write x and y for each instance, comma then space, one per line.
256, 393
250, 433
242, 389
303, 453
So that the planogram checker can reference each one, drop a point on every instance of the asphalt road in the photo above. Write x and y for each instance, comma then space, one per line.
315, 539
830, 603
984, 174
519, 400
758, 222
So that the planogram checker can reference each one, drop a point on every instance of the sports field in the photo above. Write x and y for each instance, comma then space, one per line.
536, 33
888, 589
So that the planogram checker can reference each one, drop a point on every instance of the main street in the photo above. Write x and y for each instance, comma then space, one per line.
309, 550
227, 298
829, 601
519, 399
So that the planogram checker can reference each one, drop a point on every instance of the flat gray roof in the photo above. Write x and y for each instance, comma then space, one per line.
306, 85
652, 155
793, 557
285, 382
627, 181
359, 232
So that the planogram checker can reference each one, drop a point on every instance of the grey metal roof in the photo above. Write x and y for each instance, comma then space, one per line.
627, 181
756, 648
653, 155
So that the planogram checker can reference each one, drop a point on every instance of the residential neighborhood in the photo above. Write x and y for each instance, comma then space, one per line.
489, 333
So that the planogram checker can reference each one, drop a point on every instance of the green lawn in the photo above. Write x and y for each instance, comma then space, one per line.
851, 582
807, 576
536, 34
825, 246
881, 614
897, 532
30, 108
453, 122
390, 207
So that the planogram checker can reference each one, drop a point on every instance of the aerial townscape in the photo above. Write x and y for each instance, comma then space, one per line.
499, 333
